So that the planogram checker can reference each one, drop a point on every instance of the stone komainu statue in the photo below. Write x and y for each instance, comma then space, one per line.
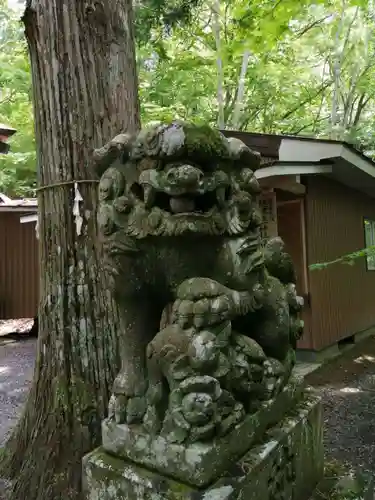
180, 223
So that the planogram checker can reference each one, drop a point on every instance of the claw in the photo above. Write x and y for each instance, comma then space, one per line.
201, 312
202, 302
183, 322
148, 195
184, 312
111, 407
198, 321
119, 403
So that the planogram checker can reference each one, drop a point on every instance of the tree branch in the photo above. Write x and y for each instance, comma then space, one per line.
361, 106
249, 118
219, 64
8, 98
317, 117
312, 25
337, 70
306, 101
230, 99
304, 127
240, 90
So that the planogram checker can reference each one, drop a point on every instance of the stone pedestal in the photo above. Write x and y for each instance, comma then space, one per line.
287, 463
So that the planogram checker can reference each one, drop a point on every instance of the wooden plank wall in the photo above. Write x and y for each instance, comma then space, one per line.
290, 218
342, 296
19, 276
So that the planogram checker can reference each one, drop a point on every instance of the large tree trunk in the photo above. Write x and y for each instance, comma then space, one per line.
85, 92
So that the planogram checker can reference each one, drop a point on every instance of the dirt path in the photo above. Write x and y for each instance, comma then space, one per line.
347, 386
16, 372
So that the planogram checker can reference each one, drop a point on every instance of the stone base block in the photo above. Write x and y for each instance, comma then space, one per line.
199, 464
286, 465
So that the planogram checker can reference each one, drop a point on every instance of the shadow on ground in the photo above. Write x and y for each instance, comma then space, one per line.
347, 386
16, 371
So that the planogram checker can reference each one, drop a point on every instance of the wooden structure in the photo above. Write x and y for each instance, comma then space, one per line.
19, 275
319, 196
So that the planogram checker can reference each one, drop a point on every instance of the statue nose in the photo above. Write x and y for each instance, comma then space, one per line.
185, 175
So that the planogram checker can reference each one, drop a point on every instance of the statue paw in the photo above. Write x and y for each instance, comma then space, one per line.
202, 302
128, 401
126, 410
117, 408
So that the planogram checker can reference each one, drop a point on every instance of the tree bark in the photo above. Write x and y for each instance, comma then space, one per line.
337, 72
85, 92
240, 91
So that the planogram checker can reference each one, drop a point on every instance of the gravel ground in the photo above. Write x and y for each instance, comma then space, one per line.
16, 372
347, 386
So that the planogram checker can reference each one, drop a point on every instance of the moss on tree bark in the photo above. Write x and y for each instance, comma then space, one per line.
85, 92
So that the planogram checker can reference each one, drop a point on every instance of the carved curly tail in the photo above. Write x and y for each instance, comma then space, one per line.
118, 147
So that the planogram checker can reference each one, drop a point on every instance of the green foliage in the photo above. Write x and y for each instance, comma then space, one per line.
158, 17
348, 259
17, 168
305, 67
291, 79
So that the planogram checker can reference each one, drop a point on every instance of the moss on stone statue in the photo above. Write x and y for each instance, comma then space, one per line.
202, 140
107, 478
285, 465
179, 491
180, 221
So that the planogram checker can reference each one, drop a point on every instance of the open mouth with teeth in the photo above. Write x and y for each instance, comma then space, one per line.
184, 203
183, 188
202, 203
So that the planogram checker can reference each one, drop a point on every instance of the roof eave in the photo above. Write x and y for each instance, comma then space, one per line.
30, 217
293, 168
7, 131
19, 208
348, 166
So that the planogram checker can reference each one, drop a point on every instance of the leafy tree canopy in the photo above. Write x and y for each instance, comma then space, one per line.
17, 168
303, 67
